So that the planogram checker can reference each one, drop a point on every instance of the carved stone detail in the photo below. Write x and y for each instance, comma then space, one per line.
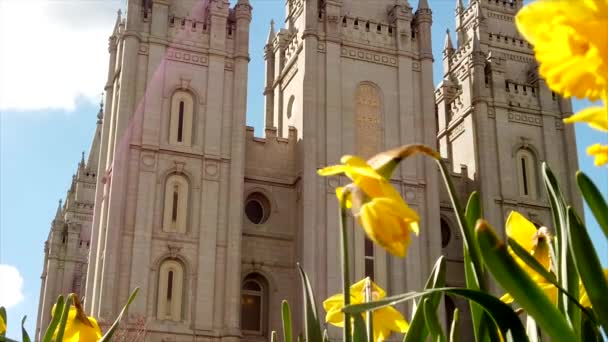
369, 122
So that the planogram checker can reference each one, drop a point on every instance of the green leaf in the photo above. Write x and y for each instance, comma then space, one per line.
24, 336
287, 327
521, 287
432, 322
112, 330
311, 319
50, 330
273, 336
455, 329
594, 200
502, 314
565, 265
360, 331
417, 330
466, 232
589, 331
473, 280
325, 336
588, 266
549, 277
532, 329
64, 317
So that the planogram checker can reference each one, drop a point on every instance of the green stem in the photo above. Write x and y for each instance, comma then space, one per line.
345, 274
369, 314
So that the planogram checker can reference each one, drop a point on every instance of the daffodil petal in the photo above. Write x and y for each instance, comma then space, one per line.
600, 152
521, 230
596, 117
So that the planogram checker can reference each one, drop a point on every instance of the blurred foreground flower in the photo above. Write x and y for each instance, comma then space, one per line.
534, 241
570, 38
2, 326
596, 117
79, 327
385, 320
381, 211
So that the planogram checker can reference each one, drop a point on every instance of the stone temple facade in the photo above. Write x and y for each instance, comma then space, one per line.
178, 197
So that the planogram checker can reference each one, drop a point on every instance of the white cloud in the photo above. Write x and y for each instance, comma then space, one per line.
53, 52
11, 286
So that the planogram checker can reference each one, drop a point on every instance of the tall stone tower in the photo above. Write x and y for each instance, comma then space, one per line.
66, 250
172, 155
498, 120
355, 77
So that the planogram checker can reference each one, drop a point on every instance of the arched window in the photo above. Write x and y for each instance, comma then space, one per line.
446, 233
369, 258
170, 290
254, 306
180, 126
175, 214
526, 173
369, 122
290, 106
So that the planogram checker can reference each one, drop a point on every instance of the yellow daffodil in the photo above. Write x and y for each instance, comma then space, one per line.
534, 241
571, 44
600, 152
80, 328
596, 117
2, 326
385, 217
385, 320
583, 297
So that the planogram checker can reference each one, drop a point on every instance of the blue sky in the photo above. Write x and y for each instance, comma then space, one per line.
49, 93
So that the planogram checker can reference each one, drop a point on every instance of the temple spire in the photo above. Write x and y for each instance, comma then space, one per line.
423, 4
271, 33
58, 213
447, 45
459, 7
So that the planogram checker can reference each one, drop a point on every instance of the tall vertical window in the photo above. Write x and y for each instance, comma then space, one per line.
253, 305
181, 119
175, 215
180, 123
369, 258
526, 173
369, 124
170, 290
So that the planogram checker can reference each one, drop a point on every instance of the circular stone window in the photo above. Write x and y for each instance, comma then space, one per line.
257, 208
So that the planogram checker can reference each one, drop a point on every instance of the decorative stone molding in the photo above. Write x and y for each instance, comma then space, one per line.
363, 55
186, 57
491, 113
143, 49
526, 119
148, 161
173, 250
456, 131
559, 125
212, 170
289, 76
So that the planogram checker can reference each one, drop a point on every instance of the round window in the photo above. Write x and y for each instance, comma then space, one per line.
257, 208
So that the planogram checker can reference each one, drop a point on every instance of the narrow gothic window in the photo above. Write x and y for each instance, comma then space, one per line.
181, 118
175, 213
526, 173
180, 124
170, 290
253, 305
175, 201
369, 258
